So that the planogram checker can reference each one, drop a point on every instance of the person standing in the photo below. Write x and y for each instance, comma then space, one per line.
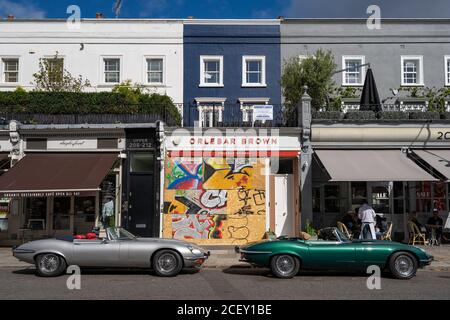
434, 225
367, 216
108, 212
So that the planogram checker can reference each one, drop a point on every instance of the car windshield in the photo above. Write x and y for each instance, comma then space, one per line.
119, 234
342, 236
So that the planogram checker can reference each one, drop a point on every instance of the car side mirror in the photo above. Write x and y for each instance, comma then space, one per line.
105, 241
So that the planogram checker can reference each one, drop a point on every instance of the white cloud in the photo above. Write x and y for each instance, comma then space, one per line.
21, 9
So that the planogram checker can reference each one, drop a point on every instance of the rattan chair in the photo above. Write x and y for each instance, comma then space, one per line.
388, 234
343, 228
415, 236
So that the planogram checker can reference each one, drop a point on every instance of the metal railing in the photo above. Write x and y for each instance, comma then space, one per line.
234, 115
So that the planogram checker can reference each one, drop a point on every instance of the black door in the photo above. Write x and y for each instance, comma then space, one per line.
143, 219
141, 205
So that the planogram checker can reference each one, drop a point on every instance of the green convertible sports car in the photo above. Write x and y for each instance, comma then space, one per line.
334, 251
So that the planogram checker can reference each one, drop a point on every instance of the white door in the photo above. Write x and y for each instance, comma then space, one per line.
284, 208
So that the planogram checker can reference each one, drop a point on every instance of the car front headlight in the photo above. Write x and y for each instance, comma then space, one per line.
195, 251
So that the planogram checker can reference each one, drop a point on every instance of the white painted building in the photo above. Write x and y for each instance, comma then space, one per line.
104, 51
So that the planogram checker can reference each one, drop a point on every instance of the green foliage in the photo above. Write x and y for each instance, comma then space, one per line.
436, 97
327, 115
20, 90
341, 93
128, 91
316, 72
53, 77
309, 229
393, 115
86, 103
428, 115
360, 115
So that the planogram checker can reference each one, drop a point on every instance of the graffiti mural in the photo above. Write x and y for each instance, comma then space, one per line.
197, 226
215, 199
184, 175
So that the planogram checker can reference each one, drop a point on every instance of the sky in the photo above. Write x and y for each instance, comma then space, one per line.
228, 8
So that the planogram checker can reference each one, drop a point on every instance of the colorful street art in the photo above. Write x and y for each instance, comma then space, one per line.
215, 200
197, 226
184, 175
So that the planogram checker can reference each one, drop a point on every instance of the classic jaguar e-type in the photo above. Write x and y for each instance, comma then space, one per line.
333, 251
119, 249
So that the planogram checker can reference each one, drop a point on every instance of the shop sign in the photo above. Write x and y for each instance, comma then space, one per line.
139, 143
43, 194
263, 113
71, 144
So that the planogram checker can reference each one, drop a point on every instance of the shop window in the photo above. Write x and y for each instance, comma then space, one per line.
84, 214
332, 200
4, 212
316, 199
439, 199
107, 201
359, 193
142, 162
380, 199
35, 213
423, 197
61, 213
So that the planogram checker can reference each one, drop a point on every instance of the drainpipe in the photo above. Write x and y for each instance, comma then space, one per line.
161, 138
304, 122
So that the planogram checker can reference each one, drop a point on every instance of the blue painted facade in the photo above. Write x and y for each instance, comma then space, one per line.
232, 42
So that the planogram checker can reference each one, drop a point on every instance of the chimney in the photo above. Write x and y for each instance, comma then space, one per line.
99, 15
11, 17
280, 18
190, 17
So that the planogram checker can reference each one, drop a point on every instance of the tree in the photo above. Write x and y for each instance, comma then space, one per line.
53, 77
316, 72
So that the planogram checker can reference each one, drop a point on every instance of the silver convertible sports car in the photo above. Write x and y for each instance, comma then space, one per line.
119, 249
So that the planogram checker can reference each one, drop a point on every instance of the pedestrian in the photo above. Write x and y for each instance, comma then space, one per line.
434, 225
367, 216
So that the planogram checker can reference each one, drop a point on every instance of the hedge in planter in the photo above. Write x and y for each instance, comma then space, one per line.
86, 103
424, 115
327, 115
393, 115
360, 115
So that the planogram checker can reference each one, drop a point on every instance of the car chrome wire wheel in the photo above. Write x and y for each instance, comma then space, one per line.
285, 264
49, 263
167, 262
404, 265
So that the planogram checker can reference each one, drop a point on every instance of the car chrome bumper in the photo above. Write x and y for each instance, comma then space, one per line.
196, 262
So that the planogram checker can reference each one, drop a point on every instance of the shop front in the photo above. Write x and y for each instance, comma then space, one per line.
394, 170
56, 194
224, 188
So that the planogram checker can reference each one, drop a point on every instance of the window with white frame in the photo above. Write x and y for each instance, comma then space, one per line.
55, 67
111, 70
447, 70
155, 70
10, 70
211, 71
412, 70
253, 71
353, 74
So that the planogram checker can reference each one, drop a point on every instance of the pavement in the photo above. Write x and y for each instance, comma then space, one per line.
225, 257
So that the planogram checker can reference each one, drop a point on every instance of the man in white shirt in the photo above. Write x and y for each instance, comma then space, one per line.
367, 216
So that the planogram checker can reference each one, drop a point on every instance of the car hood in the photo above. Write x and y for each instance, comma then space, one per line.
168, 241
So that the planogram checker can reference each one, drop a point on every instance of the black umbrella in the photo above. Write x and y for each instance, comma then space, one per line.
370, 100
